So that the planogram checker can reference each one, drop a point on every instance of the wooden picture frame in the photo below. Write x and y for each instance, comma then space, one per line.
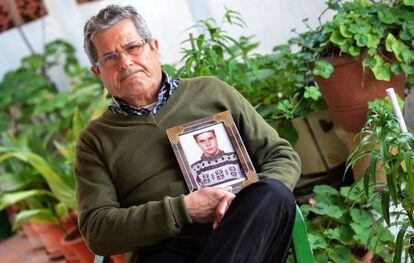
210, 152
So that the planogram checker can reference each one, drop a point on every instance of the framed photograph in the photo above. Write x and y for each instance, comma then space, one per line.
210, 152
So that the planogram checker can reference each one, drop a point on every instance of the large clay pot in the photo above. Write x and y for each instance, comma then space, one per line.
31, 235
73, 240
50, 235
68, 223
119, 258
350, 87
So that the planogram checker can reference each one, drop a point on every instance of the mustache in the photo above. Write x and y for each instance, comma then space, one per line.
129, 71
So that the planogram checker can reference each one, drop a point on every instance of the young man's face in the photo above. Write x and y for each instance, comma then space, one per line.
207, 142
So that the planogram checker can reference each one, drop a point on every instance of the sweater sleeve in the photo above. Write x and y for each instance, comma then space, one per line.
107, 227
272, 156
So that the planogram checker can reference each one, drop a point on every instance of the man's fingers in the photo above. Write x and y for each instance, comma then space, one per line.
222, 209
215, 224
228, 188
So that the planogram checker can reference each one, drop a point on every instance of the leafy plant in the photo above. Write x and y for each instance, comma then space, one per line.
38, 143
381, 32
391, 153
279, 85
342, 229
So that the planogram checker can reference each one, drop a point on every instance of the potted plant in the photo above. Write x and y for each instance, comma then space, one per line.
38, 142
365, 49
341, 228
391, 153
279, 85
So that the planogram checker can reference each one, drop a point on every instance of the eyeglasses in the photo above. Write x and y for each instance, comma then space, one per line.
133, 49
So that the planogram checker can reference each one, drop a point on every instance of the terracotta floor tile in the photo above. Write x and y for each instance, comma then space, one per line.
18, 249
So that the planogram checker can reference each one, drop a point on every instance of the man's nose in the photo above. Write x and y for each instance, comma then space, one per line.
124, 60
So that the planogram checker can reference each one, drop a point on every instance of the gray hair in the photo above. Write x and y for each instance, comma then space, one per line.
105, 19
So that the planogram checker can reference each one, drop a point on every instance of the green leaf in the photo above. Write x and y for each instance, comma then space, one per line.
361, 40
325, 190
316, 241
395, 68
348, 194
409, 2
286, 107
171, 70
9, 199
328, 210
362, 217
340, 254
381, 70
354, 51
361, 233
59, 188
61, 209
36, 215
402, 51
372, 51
399, 243
312, 92
387, 16
390, 42
344, 29
385, 206
373, 41
337, 38
323, 68
342, 233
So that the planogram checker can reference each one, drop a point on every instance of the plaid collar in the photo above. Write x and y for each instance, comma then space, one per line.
168, 87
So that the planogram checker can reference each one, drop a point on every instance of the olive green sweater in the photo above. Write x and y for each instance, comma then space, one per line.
129, 185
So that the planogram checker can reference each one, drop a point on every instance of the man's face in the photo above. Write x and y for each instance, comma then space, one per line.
133, 77
207, 142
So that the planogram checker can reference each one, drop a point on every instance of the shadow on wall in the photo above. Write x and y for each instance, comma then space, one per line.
409, 110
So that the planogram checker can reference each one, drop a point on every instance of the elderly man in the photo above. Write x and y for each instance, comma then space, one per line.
130, 191
215, 166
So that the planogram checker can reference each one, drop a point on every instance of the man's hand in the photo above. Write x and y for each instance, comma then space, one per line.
208, 204
222, 209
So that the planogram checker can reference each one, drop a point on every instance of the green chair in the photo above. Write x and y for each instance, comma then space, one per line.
302, 251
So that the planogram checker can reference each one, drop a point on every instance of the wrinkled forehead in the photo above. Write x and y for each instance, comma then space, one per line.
119, 35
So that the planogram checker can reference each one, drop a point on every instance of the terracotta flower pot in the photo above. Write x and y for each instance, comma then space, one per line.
350, 87
68, 223
31, 235
119, 258
50, 235
73, 240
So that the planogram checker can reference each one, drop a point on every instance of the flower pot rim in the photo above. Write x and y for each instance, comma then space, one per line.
343, 59
73, 236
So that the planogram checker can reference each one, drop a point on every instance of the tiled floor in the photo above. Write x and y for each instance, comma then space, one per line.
18, 249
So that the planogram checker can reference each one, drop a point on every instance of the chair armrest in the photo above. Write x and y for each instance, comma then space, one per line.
300, 242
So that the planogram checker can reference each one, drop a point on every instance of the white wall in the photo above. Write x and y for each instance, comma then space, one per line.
270, 20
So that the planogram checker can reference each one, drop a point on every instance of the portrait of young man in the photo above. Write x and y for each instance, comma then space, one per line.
131, 195
215, 166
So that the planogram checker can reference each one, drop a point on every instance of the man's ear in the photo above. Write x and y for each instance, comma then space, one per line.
154, 44
95, 70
